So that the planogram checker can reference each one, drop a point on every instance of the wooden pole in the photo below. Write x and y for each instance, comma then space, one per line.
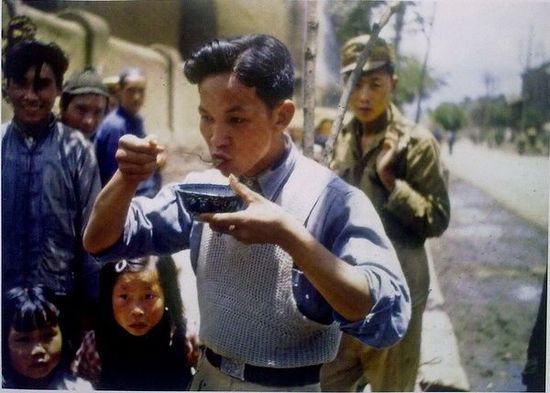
310, 55
352, 81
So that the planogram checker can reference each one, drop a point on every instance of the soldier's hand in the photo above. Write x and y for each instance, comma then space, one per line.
385, 161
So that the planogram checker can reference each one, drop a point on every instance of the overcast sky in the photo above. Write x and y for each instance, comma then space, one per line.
474, 37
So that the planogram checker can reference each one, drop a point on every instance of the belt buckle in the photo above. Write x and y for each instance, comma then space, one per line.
232, 368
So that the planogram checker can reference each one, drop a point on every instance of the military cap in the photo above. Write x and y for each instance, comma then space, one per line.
380, 55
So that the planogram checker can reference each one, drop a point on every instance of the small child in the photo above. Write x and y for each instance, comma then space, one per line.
140, 334
32, 350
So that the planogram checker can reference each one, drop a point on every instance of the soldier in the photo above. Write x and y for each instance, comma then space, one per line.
396, 163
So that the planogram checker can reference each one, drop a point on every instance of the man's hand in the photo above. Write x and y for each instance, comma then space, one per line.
138, 157
261, 222
385, 161
266, 222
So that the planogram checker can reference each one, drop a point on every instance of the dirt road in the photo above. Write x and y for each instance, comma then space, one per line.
491, 263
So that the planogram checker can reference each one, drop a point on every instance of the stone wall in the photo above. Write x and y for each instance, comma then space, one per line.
170, 108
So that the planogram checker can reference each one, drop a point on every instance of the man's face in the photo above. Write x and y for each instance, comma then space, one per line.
36, 353
33, 98
132, 94
372, 95
85, 112
238, 127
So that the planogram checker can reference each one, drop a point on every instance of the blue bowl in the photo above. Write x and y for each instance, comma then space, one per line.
208, 198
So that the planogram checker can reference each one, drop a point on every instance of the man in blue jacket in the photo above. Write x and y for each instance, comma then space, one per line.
49, 182
125, 120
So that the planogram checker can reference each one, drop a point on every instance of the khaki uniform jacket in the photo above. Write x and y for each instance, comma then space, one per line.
418, 207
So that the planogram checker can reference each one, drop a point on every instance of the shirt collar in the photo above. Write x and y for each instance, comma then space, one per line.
42, 135
391, 120
272, 180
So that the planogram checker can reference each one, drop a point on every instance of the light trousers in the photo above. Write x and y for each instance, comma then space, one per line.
392, 369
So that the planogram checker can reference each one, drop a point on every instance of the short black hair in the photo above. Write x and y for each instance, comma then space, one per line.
260, 61
26, 54
28, 308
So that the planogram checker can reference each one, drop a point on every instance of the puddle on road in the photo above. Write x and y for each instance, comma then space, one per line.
527, 293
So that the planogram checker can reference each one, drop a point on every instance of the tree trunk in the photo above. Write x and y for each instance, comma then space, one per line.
399, 24
310, 55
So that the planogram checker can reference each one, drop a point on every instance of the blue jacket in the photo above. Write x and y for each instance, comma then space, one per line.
49, 185
118, 123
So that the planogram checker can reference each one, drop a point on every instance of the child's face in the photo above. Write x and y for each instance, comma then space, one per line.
138, 301
36, 353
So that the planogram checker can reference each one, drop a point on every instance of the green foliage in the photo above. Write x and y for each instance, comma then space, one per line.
410, 76
534, 117
351, 17
491, 112
450, 116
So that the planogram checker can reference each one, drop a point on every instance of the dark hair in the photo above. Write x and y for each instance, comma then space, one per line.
260, 61
26, 54
121, 354
26, 308
127, 73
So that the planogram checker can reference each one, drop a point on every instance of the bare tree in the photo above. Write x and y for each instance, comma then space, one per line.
399, 24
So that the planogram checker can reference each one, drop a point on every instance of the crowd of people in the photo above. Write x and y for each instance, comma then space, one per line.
319, 283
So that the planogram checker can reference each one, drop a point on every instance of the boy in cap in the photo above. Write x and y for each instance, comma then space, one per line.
278, 281
397, 164
84, 102
49, 182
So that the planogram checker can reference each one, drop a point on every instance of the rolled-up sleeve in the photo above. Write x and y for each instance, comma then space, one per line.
358, 238
172, 227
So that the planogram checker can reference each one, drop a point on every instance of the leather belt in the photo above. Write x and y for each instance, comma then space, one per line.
296, 376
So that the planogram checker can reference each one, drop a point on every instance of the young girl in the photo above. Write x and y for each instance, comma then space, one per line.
32, 350
140, 335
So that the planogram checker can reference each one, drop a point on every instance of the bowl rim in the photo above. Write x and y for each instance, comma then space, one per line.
206, 189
